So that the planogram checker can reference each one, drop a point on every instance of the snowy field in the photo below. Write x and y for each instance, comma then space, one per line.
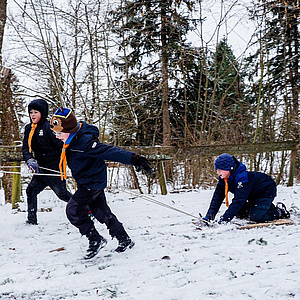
171, 258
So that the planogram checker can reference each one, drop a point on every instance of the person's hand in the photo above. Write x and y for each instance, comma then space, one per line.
207, 222
33, 165
141, 164
222, 220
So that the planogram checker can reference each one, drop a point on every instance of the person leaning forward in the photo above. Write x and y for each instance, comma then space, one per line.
254, 193
86, 156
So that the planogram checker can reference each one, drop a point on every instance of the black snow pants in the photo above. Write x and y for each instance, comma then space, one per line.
38, 184
77, 212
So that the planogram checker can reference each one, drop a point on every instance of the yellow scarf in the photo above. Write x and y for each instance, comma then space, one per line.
226, 192
33, 127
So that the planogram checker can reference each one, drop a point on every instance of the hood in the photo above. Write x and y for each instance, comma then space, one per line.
90, 129
41, 106
240, 167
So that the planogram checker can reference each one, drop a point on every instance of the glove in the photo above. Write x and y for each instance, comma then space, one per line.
206, 221
141, 164
222, 220
33, 165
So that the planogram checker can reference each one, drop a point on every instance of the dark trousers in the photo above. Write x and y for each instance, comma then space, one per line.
262, 210
77, 212
38, 184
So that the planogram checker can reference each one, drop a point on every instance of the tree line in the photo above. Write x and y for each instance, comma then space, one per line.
130, 68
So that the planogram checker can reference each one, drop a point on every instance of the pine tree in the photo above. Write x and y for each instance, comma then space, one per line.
152, 35
279, 64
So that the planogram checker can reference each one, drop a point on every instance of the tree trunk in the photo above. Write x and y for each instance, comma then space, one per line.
9, 129
165, 88
165, 92
3, 5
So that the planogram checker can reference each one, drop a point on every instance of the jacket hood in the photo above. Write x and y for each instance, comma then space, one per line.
240, 167
41, 106
90, 129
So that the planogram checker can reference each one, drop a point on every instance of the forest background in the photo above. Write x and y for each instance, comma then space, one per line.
159, 73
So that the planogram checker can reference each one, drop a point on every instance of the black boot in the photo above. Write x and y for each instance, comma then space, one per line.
282, 211
96, 242
32, 219
125, 242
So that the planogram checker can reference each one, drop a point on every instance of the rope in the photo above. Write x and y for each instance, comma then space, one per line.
54, 171
147, 198
39, 174
144, 197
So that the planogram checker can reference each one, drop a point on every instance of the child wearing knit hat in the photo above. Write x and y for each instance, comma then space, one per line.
254, 193
86, 156
41, 151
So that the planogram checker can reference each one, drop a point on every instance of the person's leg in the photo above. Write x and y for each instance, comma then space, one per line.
244, 211
76, 210
262, 210
103, 214
35, 186
77, 215
58, 186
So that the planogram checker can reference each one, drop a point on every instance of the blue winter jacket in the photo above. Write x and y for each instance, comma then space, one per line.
86, 157
245, 186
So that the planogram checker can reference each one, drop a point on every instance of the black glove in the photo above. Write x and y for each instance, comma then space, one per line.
33, 165
206, 221
222, 220
141, 164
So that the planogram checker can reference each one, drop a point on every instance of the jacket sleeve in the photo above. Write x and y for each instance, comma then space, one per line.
240, 197
217, 199
95, 149
25, 147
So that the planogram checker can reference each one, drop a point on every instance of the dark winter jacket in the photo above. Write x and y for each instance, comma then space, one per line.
245, 186
46, 148
86, 157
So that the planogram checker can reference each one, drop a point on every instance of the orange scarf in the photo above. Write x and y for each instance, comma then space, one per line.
63, 162
33, 127
226, 192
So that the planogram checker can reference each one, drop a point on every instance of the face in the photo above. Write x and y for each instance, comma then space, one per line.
63, 136
223, 174
35, 116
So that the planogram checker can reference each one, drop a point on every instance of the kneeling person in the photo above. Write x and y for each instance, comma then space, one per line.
86, 157
253, 192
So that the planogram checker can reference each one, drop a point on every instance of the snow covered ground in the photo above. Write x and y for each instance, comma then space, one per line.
171, 258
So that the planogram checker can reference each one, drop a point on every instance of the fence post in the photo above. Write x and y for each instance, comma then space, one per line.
161, 177
16, 185
292, 168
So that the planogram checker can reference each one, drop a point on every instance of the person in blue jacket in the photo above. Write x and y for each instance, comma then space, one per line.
41, 151
86, 156
254, 193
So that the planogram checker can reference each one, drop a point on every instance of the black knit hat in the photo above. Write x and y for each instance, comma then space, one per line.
40, 105
224, 162
64, 120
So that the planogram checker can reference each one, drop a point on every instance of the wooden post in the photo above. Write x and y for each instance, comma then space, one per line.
292, 168
16, 185
135, 180
161, 177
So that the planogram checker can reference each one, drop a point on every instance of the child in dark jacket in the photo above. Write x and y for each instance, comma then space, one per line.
86, 156
253, 192
41, 151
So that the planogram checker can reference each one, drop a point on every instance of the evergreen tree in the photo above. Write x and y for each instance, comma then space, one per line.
226, 116
152, 36
278, 60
